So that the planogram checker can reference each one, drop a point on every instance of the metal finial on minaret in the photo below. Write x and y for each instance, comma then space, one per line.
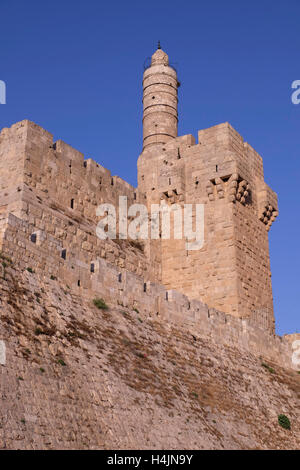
158, 45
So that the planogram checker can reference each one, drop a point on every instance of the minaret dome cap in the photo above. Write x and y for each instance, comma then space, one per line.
159, 58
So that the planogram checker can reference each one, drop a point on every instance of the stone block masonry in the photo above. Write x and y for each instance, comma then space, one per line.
49, 194
185, 355
123, 288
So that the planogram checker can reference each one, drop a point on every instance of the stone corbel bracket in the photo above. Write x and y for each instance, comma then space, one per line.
268, 216
215, 188
210, 191
238, 189
267, 205
172, 196
233, 187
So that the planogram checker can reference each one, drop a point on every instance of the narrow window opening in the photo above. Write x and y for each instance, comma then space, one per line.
145, 287
178, 154
85, 164
134, 196
33, 237
120, 277
72, 203
216, 168
167, 295
64, 254
112, 182
78, 283
169, 181
92, 268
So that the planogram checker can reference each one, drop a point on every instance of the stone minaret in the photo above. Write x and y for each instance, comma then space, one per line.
159, 100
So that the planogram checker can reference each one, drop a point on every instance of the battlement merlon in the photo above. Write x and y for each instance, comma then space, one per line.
33, 168
220, 156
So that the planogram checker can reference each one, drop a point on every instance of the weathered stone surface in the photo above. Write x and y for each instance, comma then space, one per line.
117, 379
176, 361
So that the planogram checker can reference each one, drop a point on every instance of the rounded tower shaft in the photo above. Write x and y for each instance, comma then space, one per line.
160, 100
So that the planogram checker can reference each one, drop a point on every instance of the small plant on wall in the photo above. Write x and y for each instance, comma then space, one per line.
100, 303
284, 422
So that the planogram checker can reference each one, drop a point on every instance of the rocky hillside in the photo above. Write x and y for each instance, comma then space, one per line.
82, 377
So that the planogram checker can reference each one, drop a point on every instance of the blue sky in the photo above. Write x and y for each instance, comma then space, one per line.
75, 68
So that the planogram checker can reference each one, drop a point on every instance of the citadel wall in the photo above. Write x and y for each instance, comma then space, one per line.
59, 194
232, 270
36, 226
124, 288
50, 193
12, 162
51, 186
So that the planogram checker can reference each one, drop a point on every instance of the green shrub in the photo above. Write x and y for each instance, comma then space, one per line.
100, 303
61, 362
284, 422
135, 310
270, 369
42, 369
30, 270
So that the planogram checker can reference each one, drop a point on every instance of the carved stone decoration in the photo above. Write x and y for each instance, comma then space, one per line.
172, 196
220, 188
210, 191
238, 189
268, 215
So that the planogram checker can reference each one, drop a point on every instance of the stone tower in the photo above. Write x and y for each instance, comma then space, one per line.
231, 272
159, 101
